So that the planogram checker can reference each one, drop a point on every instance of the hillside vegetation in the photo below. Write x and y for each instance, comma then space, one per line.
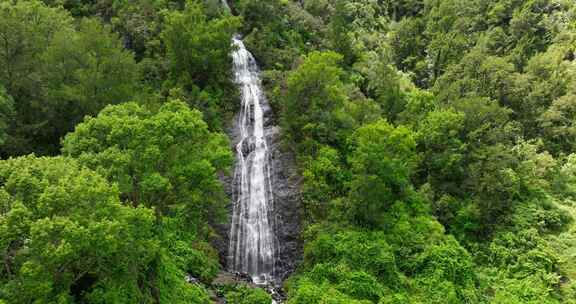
436, 140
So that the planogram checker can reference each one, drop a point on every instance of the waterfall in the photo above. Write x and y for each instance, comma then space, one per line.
252, 246
226, 6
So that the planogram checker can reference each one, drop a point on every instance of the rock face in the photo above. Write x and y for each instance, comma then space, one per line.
286, 189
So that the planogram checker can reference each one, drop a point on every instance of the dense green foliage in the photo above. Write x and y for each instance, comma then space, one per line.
241, 294
167, 160
56, 73
67, 238
126, 213
435, 138
204, 73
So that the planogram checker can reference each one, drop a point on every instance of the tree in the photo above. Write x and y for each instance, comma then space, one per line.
57, 73
479, 75
339, 28
486, 122
278, 32
26, 29
86, 70
547, 79
325, 179
315, 94
353, 266
198, 55
440, 141
522, 268
558, 124
451, 29
382, 162
528, 31
445, 274
167, 159
418, 104
198, 48
246, 295
65, 237
397, 10
409, 48
6, 114
383, 81
140, 24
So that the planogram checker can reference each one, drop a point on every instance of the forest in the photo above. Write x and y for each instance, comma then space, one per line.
435, 143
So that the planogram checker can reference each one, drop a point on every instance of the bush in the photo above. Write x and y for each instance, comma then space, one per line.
245, 295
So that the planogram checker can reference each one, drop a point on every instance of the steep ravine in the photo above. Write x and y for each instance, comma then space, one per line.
262, 237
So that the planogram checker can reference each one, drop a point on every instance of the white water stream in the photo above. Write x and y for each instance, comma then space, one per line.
252, 243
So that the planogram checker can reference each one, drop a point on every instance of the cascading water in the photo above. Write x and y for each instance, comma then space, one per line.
252, 243
226, 6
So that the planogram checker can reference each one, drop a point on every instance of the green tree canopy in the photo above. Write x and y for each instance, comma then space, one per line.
27, 28
382, 161
66, 237
166, 159
198, 47
6, 114
314, 98
86, 70
57, 73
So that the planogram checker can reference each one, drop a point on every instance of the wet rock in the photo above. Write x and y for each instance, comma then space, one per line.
286, 189
247, 147
226, 280
231, 278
